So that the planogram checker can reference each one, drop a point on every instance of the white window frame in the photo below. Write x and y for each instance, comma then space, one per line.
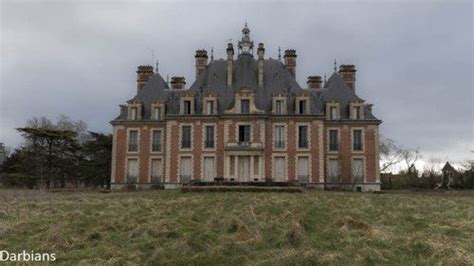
138, 140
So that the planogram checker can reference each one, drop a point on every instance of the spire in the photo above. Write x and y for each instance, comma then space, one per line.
279, 53
156, 66
335, 65
212, 54
245, 44
325, 79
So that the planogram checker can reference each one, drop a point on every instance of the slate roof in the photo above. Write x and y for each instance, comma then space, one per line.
277, 79
448, 168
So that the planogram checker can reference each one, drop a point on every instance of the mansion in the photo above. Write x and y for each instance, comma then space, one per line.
246, 119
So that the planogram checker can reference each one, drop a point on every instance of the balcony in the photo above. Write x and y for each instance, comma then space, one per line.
243, 146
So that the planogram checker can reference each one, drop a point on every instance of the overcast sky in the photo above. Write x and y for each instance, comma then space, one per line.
414, 59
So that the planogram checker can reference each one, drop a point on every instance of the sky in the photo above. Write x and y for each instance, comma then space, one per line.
414, 59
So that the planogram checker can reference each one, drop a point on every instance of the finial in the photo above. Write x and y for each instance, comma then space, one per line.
325, 78
279, 53
156, 66
335, 65
212, 54
167, 79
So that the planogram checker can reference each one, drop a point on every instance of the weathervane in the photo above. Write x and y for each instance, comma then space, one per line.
279, 53
335, 65
156, 66
212, 54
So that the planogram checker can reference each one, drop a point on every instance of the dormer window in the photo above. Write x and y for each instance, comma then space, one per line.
133, 113
157, 113
210, 107
279, 107
302, 107
245, 106
333, 112
187, 107
356, 113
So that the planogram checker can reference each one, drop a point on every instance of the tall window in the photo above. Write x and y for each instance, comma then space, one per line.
303, 137
210, 107
302, 107
186, 137
279, 137
333, 140
357, 140
133, 113
187, 107
356, 112
279, 107
333, 171
244, 134
244, 106
156, 141
132, 170
357, 170
209, 142
133, 140
333, 112
157, 113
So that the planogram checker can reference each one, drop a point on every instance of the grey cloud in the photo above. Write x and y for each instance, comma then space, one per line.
414, 59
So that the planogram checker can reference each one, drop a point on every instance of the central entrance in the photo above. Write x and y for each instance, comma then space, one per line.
244, 168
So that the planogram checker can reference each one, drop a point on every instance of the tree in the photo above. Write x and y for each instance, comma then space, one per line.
410, 157
390, 154
96, 162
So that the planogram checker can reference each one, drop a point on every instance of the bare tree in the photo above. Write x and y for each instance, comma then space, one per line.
390, 154
410, 156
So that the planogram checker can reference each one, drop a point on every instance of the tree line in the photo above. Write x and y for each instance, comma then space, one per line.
57, 155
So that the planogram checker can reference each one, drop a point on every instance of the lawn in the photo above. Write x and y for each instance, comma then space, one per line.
170, 227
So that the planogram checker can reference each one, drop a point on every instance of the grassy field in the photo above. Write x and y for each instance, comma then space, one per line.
170, 227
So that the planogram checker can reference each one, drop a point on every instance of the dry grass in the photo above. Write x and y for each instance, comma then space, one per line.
169, 227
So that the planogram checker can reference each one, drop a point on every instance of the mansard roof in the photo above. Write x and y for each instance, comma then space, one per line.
276, 80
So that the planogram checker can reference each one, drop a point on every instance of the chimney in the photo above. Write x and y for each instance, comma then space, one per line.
177, 83
290, 61
144, 73
260, 52
201, 61
230, 59
314, 82
348, 74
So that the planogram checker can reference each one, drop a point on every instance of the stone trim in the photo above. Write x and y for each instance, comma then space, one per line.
352, 114
152, 130
237, 130
285, 136
362, 138
132, 157
328, 110
364, 163
244, 94
181, 104
205, 99
208, 155
284, 106
139, 107
181, 135
308, 104
310, 165
203, 136
169, 125
297, 129
190, 155
154, 157
286, 165
328, 140
162, 111
320, 126
114, 152
128, 139
377, 154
